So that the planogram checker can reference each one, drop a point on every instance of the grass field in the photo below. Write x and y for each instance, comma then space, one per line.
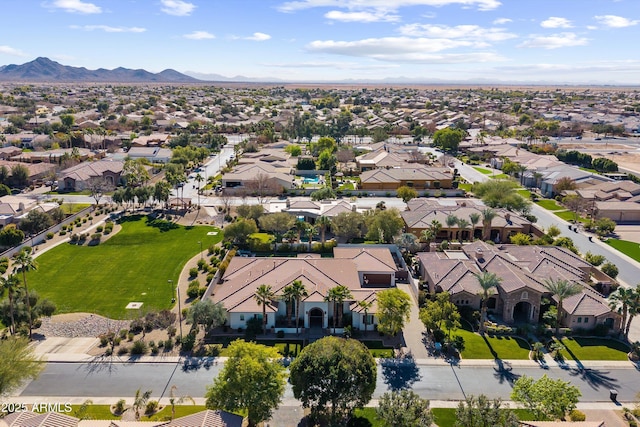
524, 193
132, 266
500, 176
628, 248
465, 187
365, 417
103, 412
579, 348
263, 237
378, 350
501, 347
446, 417
549, 205
484, 171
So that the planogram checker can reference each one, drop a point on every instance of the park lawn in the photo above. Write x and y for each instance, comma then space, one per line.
504, 347
628, 248
549, 205
263, 237
580, 348
524, 193
132, 266
484, 171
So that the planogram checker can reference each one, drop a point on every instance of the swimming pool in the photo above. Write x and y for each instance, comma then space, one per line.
311, 180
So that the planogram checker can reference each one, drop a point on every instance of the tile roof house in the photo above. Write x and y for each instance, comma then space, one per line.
617, 200
417, 176
421, 212
77, 177
523, 271
250, 176
363, 270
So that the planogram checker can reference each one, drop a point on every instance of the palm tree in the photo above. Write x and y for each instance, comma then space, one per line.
340, 294
10, 284
366, 306
300, 226
487, 282
173, 401
562, 289
199, 178
139, 401
310, 231
451, 221
264, 295
463, 225
625, 302
288, 297
488, 215
25, 262
298, 292
474, 218
323, 222
428, 236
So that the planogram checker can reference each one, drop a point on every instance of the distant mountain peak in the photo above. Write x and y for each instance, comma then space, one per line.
43, 69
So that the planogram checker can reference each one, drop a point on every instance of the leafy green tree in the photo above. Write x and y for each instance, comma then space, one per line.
324, 193
252, 381
333, 372
440, 313
207, 314
348, 225
594, 259
4, 190
250, 211
324, 143
264, 296
499, 193
561, 289
487, 282
384, 225
327, 161
448, 139
36, 221
566, 242
404, 409
278, 223
604, 226
134, 173
483, 412
610, 269
20, 175
10, 236
239, 231
18, 363
520, 239
293, 149
394, 308
546, 398
406, 193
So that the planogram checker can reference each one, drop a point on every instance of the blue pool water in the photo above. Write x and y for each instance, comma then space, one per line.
309, 180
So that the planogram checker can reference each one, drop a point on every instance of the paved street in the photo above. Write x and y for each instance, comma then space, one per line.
433, 379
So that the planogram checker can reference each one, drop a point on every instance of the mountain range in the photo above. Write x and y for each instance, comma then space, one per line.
46, 70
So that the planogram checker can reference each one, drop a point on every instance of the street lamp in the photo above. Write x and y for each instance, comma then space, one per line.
201, 254
179, 308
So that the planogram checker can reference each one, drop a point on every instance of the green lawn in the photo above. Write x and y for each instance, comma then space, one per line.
263, 237
365, 417
484, 171
504, 347
465, 187
446, 417
524, 193
132, 266
378, 350
569, 216
103, 412
294, 346
346, 186
628, 248
594, 349
500, 176
549, 205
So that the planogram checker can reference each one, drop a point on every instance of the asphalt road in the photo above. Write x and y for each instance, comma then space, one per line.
441, 382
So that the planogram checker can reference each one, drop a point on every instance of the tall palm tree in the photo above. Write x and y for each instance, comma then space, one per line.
310, 231
139, 401
199, 178
331, 297
299, 292
487, 282
451, 221
25, 262
366, 306
173, 400
300, 226
264, 295
474, 218
323, 222
488, 215
625, 302
289, 298
562, 289
10, 284
342, 294
463, 225
428, 236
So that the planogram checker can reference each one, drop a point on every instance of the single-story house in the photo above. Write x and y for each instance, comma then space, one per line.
257, 177
364, 271
617, 200
523, 271
153, 154
380, 159
418, 177
153, 140
77, 177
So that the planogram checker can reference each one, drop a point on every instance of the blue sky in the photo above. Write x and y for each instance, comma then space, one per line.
559, 41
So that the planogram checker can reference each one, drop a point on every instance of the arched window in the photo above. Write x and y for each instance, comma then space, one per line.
525, 295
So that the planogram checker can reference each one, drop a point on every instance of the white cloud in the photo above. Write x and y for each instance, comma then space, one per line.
502, 21
177, 7
467, 32
556, 22
613, 21
75, 6
258, 37
403, 49
8, 50
199, 35
362, 16
332, 65
554, 41
591, 27
384, 5
109, 29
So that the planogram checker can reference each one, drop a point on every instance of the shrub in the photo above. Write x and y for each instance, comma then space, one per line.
130, 336
577, 415
193, 272
62, 233
136, 326
123, 333
123, 350
201, 263
139, 347
74, 238
95, 237
104, 340
210, 277
171, 330
151, 408
280, 334
188, 341
168, 344
120, 406
193, 289
154, 351
50, 235
213, 350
